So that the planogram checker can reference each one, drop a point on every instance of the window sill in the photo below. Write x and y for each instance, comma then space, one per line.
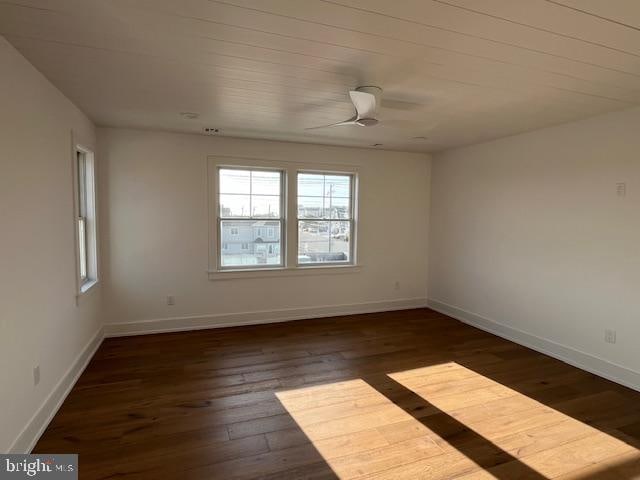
284, 272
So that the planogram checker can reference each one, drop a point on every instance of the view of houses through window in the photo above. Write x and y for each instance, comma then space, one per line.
251, 218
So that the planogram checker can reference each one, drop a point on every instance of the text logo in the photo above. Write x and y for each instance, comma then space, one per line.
53, 466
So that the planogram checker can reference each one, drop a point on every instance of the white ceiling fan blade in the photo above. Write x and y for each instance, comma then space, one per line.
365, 104
351, 121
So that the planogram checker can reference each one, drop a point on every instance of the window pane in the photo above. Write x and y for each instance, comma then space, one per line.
337, 208
82, 184
257, 243
313, 241
310, 184
264, 206
310, 207
234, 206
235, 181
335, 191
265, 183
323, 242
337, 186
82, 247
340, 242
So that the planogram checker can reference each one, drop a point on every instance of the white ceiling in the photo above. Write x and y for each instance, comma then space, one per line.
455, 71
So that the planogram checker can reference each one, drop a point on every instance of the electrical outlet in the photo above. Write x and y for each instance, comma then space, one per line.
171, 300
397, 285
621, 189
610, 336
36, 375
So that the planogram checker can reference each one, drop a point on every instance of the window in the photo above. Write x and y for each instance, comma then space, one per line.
85, 219
281, 218
250, 201
325, 218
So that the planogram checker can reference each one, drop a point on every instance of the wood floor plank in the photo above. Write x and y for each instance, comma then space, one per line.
571, 456
410, 394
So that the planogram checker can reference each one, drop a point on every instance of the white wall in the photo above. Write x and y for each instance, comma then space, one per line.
39, 320
155, 230
528, 232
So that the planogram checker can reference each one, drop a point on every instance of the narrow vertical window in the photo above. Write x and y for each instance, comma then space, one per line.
250, 203
325, 218
85, 219
82, 214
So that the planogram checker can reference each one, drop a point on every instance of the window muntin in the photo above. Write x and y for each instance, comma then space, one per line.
325, 218
250, 204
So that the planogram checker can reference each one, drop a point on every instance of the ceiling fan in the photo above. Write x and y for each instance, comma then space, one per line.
366, 101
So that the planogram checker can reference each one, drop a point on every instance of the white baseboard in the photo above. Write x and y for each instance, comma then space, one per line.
177, 324
585, 361
30, 435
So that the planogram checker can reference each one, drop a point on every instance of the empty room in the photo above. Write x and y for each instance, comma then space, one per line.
320, 239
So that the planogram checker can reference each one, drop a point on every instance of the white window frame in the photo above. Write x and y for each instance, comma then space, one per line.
85, 215
351, 220
282, 219
289, 235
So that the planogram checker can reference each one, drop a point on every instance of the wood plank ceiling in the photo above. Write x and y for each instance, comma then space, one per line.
454, 71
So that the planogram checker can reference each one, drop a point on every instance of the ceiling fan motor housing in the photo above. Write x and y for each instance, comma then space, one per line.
377, 93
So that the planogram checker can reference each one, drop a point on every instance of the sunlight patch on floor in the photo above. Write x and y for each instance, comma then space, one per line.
459, 421
348, 422
546, 440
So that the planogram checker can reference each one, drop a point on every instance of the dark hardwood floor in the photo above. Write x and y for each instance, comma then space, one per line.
398, 395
